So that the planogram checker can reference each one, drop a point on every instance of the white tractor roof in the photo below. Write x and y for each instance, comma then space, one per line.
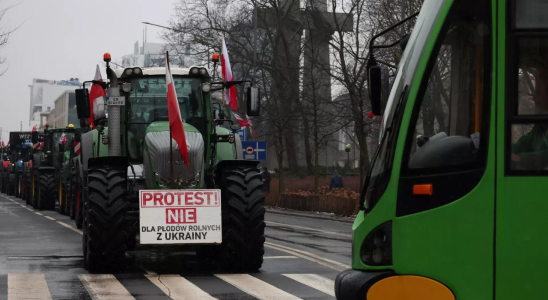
160, 71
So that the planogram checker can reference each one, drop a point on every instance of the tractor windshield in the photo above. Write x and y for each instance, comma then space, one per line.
148, 103
59, 139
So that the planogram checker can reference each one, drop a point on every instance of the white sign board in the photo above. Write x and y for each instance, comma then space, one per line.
180, 217
116, 101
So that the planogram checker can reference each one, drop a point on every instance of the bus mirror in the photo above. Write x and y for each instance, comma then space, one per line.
253, 102
34, 137
82, 103
375, 88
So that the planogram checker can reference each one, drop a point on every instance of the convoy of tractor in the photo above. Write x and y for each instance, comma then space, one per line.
125, 180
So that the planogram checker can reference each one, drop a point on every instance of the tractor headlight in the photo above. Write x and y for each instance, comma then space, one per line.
206, 87
137, 71
162, 182
194, 71
126, 87
203, 71
376, 248
231, 138
105, 139
128, 72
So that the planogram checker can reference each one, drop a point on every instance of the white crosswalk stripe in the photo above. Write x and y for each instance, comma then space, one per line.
104, 286
178, 288
27, 286
318, 282
107, 286
256, 287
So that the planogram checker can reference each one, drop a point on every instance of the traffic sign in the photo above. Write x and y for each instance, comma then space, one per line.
243, 134
255, 150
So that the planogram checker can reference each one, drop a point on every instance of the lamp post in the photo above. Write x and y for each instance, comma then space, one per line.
347, 149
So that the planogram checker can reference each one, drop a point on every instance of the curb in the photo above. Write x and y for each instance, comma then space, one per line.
307, 215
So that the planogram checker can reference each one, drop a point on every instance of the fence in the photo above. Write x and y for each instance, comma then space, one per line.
324, 203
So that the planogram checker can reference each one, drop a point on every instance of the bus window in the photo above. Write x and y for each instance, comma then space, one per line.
529, 138
448, 115
531, 14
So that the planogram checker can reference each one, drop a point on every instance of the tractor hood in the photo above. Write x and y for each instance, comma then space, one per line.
157, 158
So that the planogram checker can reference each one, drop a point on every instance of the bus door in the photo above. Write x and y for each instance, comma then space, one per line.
522, 162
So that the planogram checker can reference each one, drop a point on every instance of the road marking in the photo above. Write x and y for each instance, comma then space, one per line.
315, 281
38, 213
23, 206
335, 265
307, 228
178, 288
279, 257
27, 286
48, 217
70, 227
104, 286
256, 287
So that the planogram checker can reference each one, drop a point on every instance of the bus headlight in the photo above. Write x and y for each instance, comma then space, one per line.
376, 248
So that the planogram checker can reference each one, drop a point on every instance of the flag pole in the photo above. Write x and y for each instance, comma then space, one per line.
171, 156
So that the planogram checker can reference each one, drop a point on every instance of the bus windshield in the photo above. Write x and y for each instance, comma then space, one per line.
148, 103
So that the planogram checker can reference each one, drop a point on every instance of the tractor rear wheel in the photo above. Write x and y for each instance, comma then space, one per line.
105, 230
243, 213
11, 186
61, 195
72, 195
34, 191
46, 192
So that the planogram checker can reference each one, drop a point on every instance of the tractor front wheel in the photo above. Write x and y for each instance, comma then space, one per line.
46, 195
105, 230
243, 213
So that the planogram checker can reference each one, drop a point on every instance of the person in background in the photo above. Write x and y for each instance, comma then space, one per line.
266, 179
336, 181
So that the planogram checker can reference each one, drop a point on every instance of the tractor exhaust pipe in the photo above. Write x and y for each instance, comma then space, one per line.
114, 121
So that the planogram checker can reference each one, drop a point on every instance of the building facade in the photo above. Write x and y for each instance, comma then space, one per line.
64, 111
43, 94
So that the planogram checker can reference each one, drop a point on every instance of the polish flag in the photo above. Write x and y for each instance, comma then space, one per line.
243, 122
230, 93
63, 139
3, 144
175, 122
251, 126
96, 92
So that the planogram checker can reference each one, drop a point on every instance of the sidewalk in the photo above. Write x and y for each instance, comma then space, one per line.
308, 214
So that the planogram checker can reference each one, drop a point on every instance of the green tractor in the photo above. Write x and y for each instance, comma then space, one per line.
34, 153
19, 155
130, 157
49, 189
69, 176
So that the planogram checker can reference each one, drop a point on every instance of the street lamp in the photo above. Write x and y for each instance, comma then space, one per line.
347, 149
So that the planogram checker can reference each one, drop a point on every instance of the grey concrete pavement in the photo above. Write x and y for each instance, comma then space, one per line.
40, 258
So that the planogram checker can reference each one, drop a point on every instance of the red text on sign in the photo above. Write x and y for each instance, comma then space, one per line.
181, 215
180, 198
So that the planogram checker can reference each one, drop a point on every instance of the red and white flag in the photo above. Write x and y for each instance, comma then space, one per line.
3, 144
230, 93
63, 139
243, 122
96, 92
77, 147
175, 122
33, 128
251, 126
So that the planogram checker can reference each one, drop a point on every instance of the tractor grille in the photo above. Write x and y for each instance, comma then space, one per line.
158, 147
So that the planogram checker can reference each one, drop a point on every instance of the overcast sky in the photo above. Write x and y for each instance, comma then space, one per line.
60, 39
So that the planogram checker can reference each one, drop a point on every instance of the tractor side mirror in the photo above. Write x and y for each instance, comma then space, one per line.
218, 112
253, 102
34, 137
82, 103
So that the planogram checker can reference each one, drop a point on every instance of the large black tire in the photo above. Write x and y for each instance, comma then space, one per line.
106, 231
71, 192
34, 191
62, 196
4, 183
79, 205
243, 213
18, 186
46, 192
11, 186
27, 192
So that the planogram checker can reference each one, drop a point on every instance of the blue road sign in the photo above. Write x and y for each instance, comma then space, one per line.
243, 134
255, 150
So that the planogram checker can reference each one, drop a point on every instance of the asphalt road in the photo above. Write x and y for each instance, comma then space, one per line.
41, 258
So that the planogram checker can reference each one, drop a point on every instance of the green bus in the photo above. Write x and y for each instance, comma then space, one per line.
454, 205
